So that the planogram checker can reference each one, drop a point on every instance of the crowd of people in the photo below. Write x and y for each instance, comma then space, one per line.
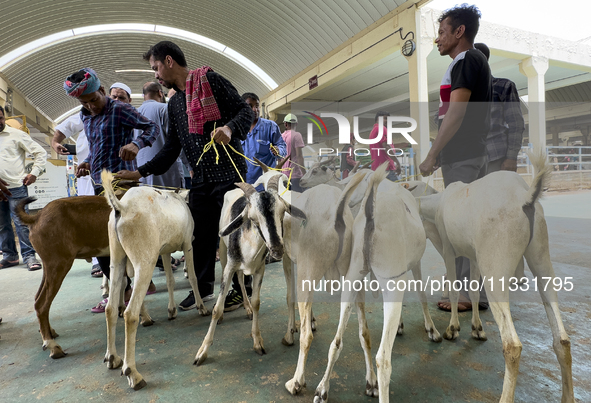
161, 143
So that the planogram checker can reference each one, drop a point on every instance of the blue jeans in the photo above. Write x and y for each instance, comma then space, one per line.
7, 215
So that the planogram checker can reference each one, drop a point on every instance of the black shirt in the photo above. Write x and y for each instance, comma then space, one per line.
468, 70
235, 114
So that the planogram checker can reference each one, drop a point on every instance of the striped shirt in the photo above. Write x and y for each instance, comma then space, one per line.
111, 130
507, 124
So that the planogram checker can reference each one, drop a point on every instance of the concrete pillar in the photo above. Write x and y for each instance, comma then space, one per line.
585, 133
419, 84
534, 69
555, 139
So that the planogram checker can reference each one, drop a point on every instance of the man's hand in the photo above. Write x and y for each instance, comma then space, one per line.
274, 150
60, 149
29, 180
128, 152
509, 165
83, 169
4, 192
130, 175
222, 135
429, 166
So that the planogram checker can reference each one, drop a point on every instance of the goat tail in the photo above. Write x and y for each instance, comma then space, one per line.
542, 172
26, 218
107, 179
368, 208
339, 224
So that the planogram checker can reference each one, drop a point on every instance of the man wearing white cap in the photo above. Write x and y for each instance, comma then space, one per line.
120, 92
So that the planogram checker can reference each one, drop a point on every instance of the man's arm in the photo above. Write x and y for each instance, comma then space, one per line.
39, 157
4, 192
278, 141
132, 119
226, 95
299, 146
514, 120
165, 157
458, 103
56, 141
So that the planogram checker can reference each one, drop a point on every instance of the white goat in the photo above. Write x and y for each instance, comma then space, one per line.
378, 249
495, 221
250, 226
145, 223
320, 247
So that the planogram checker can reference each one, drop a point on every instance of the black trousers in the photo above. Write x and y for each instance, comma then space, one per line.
205, 202
105, 261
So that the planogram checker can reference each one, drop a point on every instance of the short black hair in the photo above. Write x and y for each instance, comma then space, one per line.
166, 48
468, 16
483, 48
152, 88
381, 113
250, 95
77, 77
2, 110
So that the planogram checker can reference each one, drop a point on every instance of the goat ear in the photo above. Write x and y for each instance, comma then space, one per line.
294, 211
412, 188
235, 224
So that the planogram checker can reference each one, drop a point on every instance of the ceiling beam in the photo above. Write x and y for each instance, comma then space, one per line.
368, 46
21, 106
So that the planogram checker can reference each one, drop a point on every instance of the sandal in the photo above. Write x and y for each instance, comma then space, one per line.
96, 271
33, 264
463, 305
5, 263
100, 307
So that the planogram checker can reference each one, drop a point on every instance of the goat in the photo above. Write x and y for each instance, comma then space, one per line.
329, 220
64, 230
378, 250
250, 227
145, 223
495, 221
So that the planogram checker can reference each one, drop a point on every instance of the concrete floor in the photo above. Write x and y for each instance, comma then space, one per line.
465, 370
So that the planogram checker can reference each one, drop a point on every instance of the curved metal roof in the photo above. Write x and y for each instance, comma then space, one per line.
281, 37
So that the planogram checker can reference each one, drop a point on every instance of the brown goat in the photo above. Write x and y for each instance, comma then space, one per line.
64, 230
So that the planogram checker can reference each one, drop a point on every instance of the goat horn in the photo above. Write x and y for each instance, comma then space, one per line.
247, 188
282, 162
327, 162
365, 166
263, 166
355, 168
273, 183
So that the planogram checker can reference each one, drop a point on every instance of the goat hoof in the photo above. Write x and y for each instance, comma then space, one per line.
434, 335
260, 351
293, 387
57, 352
479, 335
146, 323
249, 315
200, 359
221, 319
203, 311
313, 324
172, 313
320, 397
113, 362
451, 333
141, 384
285, 342
371, 390
400, 330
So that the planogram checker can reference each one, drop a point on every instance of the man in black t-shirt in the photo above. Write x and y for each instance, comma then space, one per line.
464, 115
